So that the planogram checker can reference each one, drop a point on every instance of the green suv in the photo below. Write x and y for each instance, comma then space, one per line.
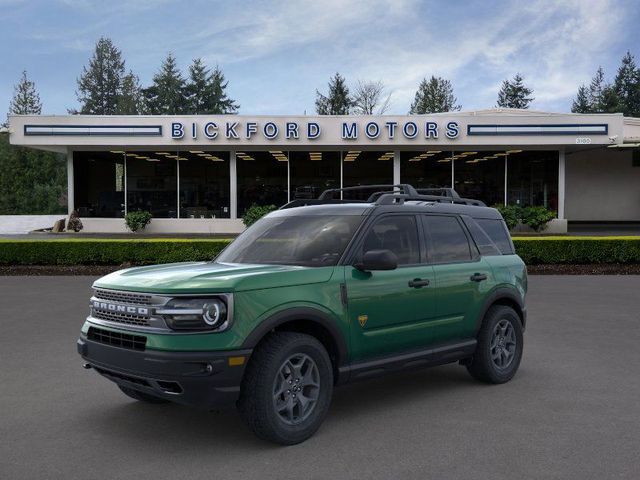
314, 296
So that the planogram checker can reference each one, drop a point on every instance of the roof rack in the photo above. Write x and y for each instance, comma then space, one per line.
388, 195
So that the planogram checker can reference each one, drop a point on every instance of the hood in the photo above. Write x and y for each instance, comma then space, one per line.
208, 277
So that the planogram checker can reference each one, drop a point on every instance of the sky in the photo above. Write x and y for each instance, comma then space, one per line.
275, 54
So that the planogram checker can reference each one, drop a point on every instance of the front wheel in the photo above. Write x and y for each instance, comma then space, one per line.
499, 348
287, 388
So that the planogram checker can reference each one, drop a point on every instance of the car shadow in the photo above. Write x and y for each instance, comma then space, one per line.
186, 428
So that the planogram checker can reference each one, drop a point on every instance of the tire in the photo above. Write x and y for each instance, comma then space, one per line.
499, 348
141, 396
285, 368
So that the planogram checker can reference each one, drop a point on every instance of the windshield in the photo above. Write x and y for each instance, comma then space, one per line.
310, 241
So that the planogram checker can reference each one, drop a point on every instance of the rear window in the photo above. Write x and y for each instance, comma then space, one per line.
497, 231
484, 243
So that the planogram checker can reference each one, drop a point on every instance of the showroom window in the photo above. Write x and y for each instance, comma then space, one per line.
366, 168
263, 179
426, 169
152, 183
480, 175
99, 184
204, 184
313, 172
532, 178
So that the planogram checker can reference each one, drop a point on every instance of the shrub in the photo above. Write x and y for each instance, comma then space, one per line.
255, 213
511, 214
74, 223
137, 220
537, 217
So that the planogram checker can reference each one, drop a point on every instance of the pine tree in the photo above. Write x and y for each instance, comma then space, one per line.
434, 95
596, 88
581, 104
337, 101
206, 92
26, 100
99, 85
130, 101
221, 102
627, 86
166, 96
514, 93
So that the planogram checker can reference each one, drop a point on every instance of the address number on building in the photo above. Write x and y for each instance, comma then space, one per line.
583, 141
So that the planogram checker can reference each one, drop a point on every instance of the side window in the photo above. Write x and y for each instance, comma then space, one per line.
484, 243
398, 234
497, 231
447, 241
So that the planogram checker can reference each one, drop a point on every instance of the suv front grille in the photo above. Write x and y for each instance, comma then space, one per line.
126, 318
124, 297
117, 339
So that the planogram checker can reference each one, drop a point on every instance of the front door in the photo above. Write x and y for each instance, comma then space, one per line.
390, 310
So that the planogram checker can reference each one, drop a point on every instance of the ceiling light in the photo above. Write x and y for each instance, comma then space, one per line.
117, 151
500, 154
152, 160
434, 151
161, 153
514, 151
196, 151
444, 160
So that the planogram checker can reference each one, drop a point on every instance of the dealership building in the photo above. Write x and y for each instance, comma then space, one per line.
200, 173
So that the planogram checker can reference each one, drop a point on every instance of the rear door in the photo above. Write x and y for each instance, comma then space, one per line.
462, 277
389, 311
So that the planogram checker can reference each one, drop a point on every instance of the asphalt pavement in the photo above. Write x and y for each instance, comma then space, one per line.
572, 411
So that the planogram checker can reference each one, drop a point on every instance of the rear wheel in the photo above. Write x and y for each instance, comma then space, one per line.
287, 388
141, 396
499, 349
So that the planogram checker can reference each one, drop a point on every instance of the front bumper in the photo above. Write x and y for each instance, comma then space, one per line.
200, 379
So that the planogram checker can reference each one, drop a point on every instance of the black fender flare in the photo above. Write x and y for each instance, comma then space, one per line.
300, 313
498, 294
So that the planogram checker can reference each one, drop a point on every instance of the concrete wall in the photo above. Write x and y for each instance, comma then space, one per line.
215, 226
12, 224
602, 185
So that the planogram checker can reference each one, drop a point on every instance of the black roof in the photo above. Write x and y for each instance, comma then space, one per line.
366, 208
392, 198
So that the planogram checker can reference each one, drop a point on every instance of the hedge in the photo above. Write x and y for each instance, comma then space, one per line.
107, 252
578, 250
533, 250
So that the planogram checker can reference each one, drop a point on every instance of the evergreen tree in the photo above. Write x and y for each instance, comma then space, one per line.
514, 93
627, 86
99, 85
166, 96
581, 103
434, 95
130, 100
337, 101
596, 88
206, 92
26, 100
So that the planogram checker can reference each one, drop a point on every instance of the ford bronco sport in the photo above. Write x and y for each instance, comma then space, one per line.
314, 296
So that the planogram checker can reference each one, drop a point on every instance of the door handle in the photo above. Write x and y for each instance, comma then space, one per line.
478, 277
418, 283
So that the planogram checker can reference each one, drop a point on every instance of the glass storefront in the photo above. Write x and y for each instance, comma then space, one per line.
480, 175
99, 184
263, 179
204, 184
313, 172
152, 183
366, 168
426, 169
532, 178
196, 184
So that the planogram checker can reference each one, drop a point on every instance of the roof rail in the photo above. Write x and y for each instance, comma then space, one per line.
395, 198
404, 187
388, 195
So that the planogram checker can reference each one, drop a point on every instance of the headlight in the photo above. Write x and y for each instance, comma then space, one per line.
195, 314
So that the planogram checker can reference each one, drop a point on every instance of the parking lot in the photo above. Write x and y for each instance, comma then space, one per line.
573, 410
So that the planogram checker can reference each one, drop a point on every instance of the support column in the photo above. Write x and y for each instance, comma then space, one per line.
233, 186
506, 177
396, 167
70, 193
561, 183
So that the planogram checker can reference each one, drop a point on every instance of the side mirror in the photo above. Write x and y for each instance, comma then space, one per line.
377, 260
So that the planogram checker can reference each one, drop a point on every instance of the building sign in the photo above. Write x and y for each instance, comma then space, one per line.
347, 130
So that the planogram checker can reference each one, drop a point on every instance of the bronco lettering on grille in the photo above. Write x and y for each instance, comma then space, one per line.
112, 307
